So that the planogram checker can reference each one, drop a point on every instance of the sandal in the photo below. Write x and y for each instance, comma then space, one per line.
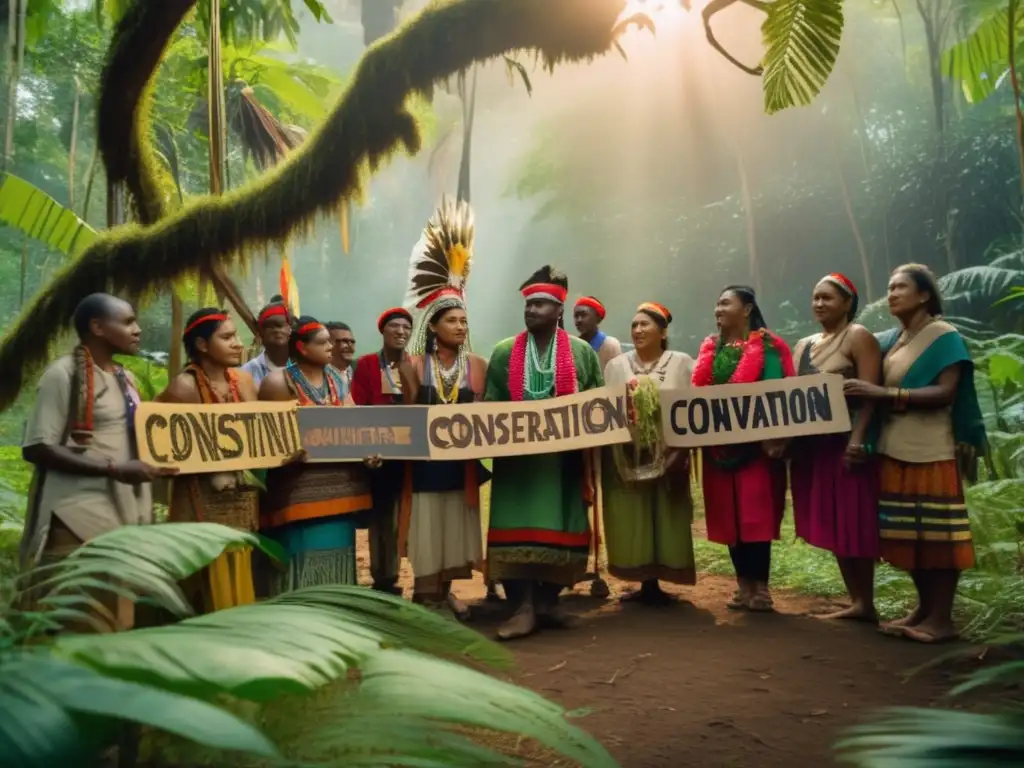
761, 602
737, 603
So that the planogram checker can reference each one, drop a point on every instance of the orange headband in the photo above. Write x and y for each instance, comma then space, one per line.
594, 304
844, 283
390, 314
658, 309
220, 317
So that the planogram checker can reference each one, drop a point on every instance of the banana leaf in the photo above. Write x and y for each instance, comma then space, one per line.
140, 561
49, 707
290, 645
27, 208
801, 40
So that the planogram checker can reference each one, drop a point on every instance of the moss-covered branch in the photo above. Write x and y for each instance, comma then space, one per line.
370, 122
135, 51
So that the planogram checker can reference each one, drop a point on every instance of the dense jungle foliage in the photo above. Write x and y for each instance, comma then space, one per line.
661, 177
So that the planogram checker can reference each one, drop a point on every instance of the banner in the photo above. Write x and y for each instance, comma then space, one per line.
216, 438
747, 413
465, 431
255, 435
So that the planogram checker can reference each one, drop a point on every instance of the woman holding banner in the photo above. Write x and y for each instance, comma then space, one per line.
647, 504
931, 420
834, 483
214, 349
441, 521
744, 485
310, 508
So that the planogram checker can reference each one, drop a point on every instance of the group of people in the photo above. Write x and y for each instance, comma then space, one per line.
890, 489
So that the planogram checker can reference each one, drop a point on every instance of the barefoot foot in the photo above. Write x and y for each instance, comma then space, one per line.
522, 623
854, 613
931, 633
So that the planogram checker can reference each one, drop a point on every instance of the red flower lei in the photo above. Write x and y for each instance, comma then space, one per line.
751, 365
565, 366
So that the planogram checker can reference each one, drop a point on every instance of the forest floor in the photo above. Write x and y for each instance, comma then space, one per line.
699, 685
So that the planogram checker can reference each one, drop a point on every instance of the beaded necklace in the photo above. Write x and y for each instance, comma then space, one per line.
325, 394
449, 378
539, 377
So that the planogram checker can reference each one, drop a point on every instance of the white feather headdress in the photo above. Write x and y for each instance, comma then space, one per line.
439, 266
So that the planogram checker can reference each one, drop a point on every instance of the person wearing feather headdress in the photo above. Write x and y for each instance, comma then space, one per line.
539, 536
442, 529
213, 349
386, 377
587, 316
647, 505
744, 485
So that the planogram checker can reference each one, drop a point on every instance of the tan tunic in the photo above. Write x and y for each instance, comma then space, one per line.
87, 506
916, 436
830, 356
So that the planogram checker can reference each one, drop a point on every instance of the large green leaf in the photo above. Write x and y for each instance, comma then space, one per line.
801, 40
43, 701
29, 209
935, 738
979, 60
293, 644
140, 561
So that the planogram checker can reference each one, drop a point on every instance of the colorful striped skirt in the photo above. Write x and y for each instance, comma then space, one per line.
922, 516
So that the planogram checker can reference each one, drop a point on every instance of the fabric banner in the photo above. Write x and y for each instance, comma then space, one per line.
747, 413
225, 438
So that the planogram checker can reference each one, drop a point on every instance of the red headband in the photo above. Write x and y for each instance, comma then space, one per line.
550, 290
313, 326
274, 309
659, 309
448, 290
843, 282
219, 317
390, 314
594, 304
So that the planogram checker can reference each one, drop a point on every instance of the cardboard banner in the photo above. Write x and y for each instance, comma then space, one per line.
216, 438
256, 435
466, 431
747, 413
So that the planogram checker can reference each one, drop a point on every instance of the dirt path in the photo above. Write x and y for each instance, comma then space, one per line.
698, 685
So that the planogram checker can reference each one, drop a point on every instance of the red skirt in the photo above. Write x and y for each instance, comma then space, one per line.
744, 504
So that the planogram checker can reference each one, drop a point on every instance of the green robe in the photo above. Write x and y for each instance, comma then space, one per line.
539, 528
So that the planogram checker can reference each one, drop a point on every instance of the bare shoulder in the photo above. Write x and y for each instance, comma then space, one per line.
275, 387
478, 362
181, 389
246, 386
862, 336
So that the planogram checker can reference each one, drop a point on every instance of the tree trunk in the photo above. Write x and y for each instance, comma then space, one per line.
16, 11
468, 114
73, 147
865, 261
1015, 83
748, 207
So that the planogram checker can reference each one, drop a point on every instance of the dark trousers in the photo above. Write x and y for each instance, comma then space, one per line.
385, 486
542, 593
752, 560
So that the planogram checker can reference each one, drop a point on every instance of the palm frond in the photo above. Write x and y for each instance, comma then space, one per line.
30, 210
935, 738
801, 40
366, 127
293, 644
48, 711
135, 561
